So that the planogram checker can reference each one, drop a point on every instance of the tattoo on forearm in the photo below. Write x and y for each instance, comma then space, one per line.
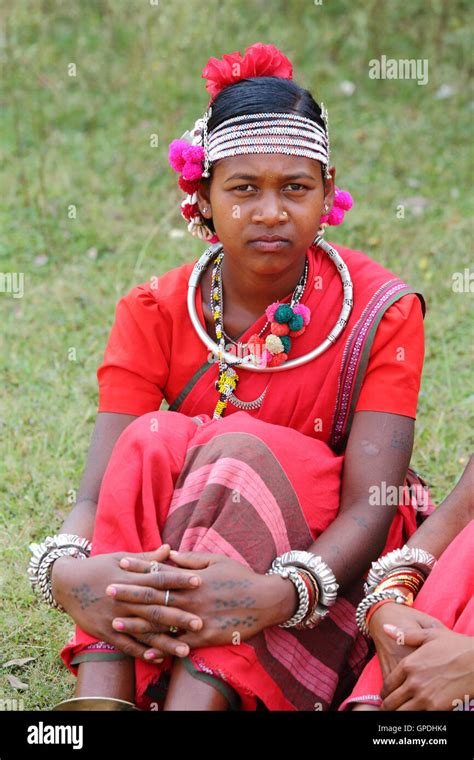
401, 440
361, 521
84, 595
370, 448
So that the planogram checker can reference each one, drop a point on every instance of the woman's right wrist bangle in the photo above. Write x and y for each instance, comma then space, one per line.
45, 554
394, 595
405, 558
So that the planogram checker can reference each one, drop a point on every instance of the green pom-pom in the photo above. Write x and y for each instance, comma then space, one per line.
286, 340
283, 314
296, 322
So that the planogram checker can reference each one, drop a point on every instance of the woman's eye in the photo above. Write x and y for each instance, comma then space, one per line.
292, 184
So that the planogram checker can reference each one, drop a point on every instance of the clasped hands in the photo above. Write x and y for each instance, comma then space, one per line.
425, 665
212, 600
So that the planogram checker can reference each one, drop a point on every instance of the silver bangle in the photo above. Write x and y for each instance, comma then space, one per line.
370, 600
292, 574
318, 612
320, 571
46, 553
418, 559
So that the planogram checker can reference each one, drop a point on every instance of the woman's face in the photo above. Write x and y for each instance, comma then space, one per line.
246, 199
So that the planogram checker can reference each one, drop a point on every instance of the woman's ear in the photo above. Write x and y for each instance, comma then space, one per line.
203, 199
329, 185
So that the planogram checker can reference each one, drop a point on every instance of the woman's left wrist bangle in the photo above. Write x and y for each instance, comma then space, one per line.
315, 583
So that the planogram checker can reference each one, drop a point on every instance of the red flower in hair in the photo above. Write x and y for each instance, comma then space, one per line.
259, 61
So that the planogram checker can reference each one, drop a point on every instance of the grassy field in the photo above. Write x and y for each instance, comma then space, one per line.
90, 209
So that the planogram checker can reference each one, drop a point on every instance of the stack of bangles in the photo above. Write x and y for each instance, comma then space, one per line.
44, 556
396, 578
315, 583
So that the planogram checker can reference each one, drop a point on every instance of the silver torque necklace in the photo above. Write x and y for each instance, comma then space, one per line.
231, 359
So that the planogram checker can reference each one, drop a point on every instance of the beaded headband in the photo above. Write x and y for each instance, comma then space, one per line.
269, 132
288, 133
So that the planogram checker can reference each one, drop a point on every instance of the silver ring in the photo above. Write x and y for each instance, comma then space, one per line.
173, 629
154, 567
167, 597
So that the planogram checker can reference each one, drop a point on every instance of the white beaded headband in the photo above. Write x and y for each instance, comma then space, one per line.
288, 133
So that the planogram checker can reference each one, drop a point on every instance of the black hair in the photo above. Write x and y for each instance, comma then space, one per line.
261, 94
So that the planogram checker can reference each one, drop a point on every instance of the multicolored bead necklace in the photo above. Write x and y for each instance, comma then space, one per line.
286, 321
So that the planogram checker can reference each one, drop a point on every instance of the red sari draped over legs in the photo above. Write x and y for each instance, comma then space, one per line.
253, 484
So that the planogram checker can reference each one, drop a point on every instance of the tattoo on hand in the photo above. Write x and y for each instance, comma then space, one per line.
246, 602
231, 584
248, 622
84, 595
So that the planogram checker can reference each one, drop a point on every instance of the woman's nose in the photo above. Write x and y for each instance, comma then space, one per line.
269, 210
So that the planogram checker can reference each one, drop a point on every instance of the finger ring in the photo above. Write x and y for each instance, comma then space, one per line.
167, 597
154, 567
173, 629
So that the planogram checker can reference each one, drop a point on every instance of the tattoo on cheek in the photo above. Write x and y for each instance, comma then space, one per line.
84, 595
400, 440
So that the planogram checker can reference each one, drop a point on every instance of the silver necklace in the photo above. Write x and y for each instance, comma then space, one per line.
339, 326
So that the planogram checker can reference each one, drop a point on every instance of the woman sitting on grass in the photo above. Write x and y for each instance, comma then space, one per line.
261, 471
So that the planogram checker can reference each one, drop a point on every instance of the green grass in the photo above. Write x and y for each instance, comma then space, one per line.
85, 141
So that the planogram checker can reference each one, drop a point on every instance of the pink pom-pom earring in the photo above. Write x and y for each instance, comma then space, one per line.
342, 202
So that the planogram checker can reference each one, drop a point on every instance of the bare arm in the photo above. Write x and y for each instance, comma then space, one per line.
449, 519
108, 427
378, 450
80, 521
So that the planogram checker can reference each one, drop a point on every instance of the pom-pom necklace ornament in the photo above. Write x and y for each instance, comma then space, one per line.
286, 321
228, 378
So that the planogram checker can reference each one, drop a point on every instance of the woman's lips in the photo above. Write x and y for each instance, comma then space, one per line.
269, 245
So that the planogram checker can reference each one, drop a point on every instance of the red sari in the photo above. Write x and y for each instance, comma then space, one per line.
177, 484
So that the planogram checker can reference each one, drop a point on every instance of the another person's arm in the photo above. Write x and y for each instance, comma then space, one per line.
434, 535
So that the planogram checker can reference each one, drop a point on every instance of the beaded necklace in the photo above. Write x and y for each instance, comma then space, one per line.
284, 322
